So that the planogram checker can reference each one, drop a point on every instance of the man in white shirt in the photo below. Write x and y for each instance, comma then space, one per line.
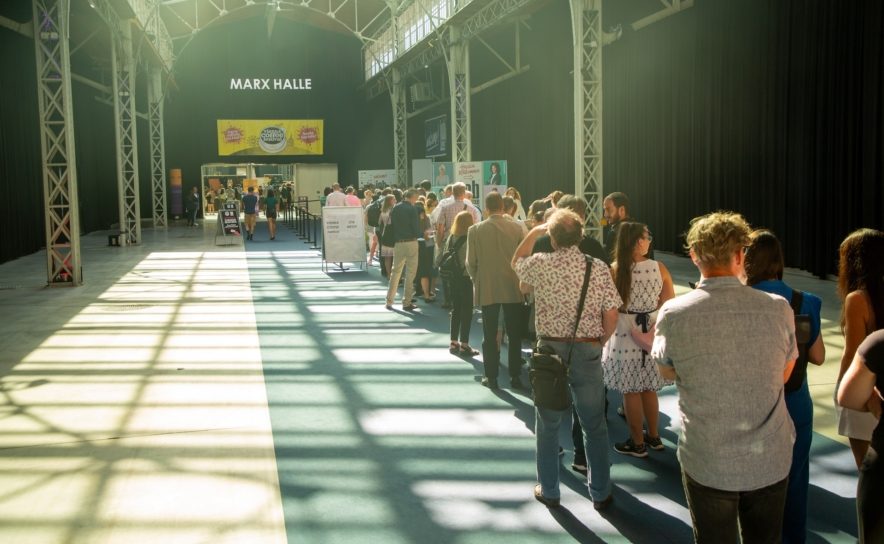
336, 197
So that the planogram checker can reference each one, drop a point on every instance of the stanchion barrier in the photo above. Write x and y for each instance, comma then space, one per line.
316, 244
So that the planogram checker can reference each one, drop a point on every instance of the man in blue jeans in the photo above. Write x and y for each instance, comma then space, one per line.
557, 279
729, 349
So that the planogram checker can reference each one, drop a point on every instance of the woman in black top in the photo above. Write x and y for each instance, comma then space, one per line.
861, 390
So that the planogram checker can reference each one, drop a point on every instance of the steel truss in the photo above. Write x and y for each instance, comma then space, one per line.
52, 46
586, 20
157, 148
459, 84
123, 61
400, 127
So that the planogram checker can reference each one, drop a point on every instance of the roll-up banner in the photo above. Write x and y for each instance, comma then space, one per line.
270, 137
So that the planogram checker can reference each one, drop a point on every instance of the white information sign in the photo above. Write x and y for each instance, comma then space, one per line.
376, 177
343, 234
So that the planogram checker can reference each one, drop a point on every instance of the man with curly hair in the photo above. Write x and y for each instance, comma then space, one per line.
729, 348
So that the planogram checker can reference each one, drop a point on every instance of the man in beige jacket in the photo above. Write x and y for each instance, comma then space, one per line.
490, 247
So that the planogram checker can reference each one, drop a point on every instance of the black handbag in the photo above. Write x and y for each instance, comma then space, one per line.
546, 370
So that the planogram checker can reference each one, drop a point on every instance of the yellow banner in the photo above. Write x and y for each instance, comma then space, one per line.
269, 137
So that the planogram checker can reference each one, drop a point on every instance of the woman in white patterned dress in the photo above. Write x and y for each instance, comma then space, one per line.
645, 285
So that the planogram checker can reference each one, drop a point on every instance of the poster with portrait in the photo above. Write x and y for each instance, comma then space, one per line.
443, 174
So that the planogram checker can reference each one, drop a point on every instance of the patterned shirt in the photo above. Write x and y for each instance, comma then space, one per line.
557, 279
449, 210
729, 345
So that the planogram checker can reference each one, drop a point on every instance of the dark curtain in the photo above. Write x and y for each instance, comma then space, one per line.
21, 175
771, 108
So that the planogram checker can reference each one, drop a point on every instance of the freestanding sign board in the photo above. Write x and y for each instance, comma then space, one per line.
343, 235
228, 227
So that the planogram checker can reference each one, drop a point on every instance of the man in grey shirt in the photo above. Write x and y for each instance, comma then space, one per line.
729, 349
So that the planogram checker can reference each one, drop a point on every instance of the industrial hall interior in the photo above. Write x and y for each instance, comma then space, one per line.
441, 271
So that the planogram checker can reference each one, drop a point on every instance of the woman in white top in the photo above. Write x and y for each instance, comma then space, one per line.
520, 211
644, 285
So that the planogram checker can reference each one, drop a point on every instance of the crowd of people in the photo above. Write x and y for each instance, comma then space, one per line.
736, 347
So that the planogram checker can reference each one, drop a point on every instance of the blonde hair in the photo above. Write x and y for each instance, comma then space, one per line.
462, 223
715, 237
513, 192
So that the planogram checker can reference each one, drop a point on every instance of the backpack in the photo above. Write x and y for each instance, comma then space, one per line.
802, 337
387, 236
449, 264
373, 213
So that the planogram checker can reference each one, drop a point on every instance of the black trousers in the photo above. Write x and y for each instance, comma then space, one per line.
869, 506
514, 317
462, 309
715, 512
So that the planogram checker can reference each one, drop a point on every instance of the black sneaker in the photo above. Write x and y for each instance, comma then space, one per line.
579, 464
654, 443
630, 448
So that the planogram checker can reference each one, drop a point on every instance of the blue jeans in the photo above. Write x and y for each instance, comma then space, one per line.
800, 407
588, 395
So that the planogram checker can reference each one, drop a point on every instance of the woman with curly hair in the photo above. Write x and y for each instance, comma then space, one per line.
861, 290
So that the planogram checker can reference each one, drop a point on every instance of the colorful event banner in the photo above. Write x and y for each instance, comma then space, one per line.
270, 137
481, 177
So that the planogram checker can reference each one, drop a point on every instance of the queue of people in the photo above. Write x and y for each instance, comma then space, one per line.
737, 346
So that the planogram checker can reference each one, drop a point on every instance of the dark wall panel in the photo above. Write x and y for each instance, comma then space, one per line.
239, 50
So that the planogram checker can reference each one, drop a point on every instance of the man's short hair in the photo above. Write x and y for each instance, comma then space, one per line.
715, 237
619, 199
409, 194
426, 185
336, 187
493, 202
576, 204
251, 189
509, 204
565, 228
398, 194
458, 189
448, 188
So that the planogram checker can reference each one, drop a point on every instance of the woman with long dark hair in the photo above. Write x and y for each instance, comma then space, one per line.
271, 210
861, 290
644, 285
764, 265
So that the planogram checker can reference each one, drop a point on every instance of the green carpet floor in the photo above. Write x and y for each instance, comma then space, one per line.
383, 436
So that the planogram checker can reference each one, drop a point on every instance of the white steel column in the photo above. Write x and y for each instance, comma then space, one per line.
157, 147
52, 45
460, 89
127, 142
400, 128
586, 20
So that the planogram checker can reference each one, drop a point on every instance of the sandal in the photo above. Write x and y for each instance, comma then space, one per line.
466, 349
454, 347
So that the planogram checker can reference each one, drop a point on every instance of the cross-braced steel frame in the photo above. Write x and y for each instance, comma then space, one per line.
400, 128
123, 60
52, 45
459, 83
157, 148
586, 19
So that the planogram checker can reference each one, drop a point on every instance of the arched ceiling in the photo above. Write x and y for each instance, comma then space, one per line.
361, 18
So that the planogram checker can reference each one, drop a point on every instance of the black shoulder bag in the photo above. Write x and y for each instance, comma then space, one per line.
547, 372
802, 338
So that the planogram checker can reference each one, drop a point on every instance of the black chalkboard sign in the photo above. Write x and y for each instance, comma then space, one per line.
228, 221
